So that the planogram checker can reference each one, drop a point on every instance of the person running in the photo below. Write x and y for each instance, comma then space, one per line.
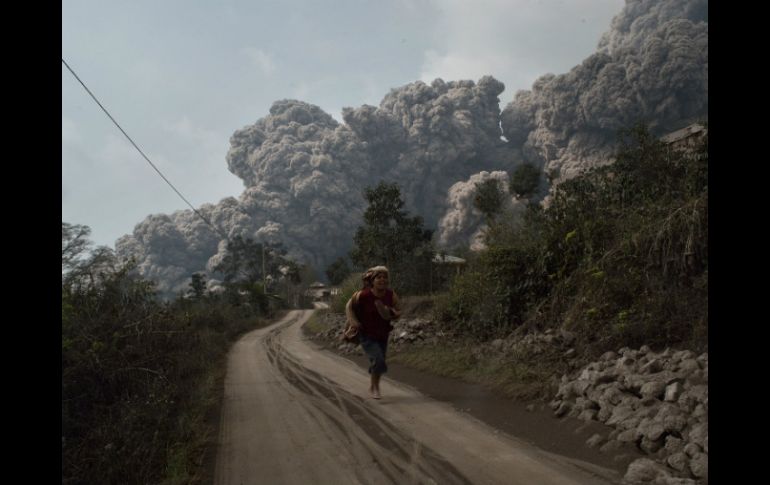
370, 311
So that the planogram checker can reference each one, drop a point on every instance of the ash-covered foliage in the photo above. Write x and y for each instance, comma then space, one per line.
620, 256
140, 377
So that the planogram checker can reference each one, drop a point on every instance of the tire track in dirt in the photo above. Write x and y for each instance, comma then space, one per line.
371, 439
291, 415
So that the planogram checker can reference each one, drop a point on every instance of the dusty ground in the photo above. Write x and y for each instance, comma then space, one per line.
296, 414
539, 427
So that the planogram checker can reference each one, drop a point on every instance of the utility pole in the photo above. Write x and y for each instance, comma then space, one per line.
431, 275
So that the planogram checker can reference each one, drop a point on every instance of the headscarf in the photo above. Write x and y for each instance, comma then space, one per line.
371, 273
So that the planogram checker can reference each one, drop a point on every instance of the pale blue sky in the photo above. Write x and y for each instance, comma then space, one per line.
182, 76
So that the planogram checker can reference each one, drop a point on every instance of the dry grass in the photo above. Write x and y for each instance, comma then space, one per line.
516, 377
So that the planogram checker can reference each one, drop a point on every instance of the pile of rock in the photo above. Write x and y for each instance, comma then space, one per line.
415, 331
335, 322
406, 331
533, 343
657, 401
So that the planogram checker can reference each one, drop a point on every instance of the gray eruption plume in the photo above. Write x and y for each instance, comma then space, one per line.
429, 137
463, 223
652, 66
304, 172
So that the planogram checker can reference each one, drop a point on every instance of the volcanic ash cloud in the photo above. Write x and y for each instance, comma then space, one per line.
652, 66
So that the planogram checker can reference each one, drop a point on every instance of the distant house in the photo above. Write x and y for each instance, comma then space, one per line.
318, 291
443, 268
447, 260
685, 139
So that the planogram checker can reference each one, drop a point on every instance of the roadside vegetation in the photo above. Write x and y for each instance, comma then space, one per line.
390, 236
142, 377
619, 257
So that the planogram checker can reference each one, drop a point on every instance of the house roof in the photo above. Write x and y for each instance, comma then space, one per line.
683, 133
447, 259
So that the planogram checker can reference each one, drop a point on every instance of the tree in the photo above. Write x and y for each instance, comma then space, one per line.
390, 237
524, 181
242, 261
257, 270
292, 271
83, 267
74, 243
307, 275
248, 261
197, 286
338, 271
488, 198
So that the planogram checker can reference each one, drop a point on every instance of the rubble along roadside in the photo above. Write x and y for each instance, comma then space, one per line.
654, 402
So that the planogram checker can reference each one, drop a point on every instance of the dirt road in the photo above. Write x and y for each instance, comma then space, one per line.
293, 414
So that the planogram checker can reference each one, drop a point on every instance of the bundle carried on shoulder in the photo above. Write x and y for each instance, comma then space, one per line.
350, 334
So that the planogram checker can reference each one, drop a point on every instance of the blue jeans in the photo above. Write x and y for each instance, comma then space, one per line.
375, 350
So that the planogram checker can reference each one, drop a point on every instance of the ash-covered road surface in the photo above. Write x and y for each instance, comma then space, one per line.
295, 414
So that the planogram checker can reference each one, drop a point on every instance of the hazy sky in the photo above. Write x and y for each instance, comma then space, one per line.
181, 76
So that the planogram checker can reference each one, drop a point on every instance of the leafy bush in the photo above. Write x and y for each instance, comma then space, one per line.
620, 256
140, 376
524, 180
351, 284
488, 198
338, 271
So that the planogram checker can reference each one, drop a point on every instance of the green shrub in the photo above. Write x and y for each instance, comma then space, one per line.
139, 377
351, 284
620, 256
524, 180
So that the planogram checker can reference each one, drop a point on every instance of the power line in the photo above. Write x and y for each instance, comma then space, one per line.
141, 152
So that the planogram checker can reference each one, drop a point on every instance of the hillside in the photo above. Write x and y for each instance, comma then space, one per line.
597, 304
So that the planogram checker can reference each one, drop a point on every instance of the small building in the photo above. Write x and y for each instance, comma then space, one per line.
685, 139
318, 291
447, 260
443, 268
